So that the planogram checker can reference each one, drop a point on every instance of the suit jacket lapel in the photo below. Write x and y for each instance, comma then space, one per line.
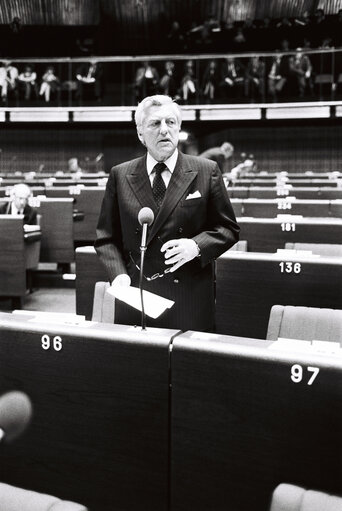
140, 183
181, 178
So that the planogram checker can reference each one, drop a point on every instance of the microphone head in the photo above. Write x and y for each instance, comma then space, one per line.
15, 414
146, 216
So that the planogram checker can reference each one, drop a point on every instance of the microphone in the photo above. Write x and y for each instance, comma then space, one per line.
15, 414
145, 218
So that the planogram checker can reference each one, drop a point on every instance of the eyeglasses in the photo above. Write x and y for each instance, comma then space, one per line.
155, 275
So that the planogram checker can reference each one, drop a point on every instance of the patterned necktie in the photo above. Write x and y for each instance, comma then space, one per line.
158, 187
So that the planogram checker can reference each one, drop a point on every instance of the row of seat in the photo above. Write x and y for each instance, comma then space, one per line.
158, 419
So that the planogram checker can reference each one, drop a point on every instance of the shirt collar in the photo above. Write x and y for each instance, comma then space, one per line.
170, 162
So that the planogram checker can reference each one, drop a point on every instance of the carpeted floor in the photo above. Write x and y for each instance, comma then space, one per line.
46, 299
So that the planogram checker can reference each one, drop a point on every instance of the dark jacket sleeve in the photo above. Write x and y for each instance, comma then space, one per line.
222, 230
108, 243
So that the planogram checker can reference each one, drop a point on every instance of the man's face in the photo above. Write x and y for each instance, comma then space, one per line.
159, 131
20, 198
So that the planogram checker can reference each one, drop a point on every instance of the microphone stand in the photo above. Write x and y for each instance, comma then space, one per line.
141, 274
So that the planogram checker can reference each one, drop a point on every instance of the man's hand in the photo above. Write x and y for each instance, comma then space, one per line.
179, 252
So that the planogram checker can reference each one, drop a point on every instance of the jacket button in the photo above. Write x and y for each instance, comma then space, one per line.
180, 230
176, 281
137, 230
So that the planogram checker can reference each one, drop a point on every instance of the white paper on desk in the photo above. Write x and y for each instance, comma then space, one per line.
154, 305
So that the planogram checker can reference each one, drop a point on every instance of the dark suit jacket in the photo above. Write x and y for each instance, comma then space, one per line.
208, 219
30, 214
215, 154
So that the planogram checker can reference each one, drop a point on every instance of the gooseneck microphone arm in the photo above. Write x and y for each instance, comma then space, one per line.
145, 218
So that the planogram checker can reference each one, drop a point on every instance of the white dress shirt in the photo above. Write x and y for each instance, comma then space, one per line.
167, 173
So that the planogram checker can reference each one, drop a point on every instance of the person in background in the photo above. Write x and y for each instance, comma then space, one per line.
188, 86
19, 204
28, 83
301, 69
194, 222
90, 81
232, 78
146, 80
210, 81
221, 155
74, 168
8, 79
167, 84
50, 83
255, 79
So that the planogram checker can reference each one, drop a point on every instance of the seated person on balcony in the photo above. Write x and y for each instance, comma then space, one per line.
210, 80
255, 79
220, 154
301, 70
232, 77
146, 81
276, 78
8, 79
167, 84
19, 204
188, 86
50, 83
28, 82
89, 81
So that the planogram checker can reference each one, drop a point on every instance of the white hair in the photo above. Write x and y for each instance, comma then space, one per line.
156, 100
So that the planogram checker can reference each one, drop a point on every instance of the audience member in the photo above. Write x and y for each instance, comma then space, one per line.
74, 168
276, 80
90, 81
211, 80
146, 81
28, 83
8, 79
19, 204
255, 79
221, 155
175, 38
167, 84
188, 87
50, 83
232, 78
301, 69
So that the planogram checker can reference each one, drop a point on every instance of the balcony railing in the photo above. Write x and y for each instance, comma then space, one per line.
298, 75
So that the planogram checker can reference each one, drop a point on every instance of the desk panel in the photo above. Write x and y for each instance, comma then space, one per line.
100, 396
269, 234
89, 270
240, 425
270, 208
248, 284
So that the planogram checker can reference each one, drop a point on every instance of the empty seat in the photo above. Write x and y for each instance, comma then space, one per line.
306, 323
287, 497
18, 499
323, 249
240, 246
103, 304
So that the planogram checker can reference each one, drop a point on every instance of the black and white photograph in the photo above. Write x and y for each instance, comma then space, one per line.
170, 255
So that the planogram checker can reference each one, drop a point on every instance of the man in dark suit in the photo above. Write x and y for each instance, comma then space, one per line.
18, 205
193, 222
221, 155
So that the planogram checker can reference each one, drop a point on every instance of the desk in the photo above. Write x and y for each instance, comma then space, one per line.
248, 284
57, 230
17, 255
87, 200
243, 192
269, 234
270, 208
240, 425
89, 270
100, 396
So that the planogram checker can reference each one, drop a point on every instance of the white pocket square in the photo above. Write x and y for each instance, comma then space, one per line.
194, 195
